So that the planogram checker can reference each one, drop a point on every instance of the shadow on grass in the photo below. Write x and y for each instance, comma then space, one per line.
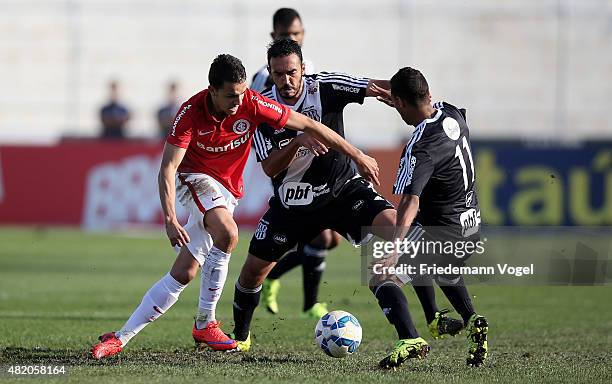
65, 317
176, 357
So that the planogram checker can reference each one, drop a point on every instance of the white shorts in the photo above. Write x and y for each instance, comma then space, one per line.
198, 193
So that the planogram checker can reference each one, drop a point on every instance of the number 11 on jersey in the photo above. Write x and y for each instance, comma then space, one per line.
459, 155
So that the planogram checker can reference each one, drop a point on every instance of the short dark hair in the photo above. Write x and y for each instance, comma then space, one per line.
410, 85
284, 17
226, 68
284, 47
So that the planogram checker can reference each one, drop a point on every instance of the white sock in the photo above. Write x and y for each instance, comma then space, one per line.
214, 274
158, 299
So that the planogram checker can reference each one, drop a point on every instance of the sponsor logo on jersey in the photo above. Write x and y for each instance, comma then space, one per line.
345, 88
203, 133
268, 143
301, 152
470, 222
283, 143
320, 190
178, 118
313, 88
357, 206
279, 238
241, 126
278, 131
267, 104
451, 128
260, 231
231, 145
399, 170
411, 169
294, 193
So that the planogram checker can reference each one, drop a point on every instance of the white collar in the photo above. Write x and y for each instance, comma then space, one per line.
430, 120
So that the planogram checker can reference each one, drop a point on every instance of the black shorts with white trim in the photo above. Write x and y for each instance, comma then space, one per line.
280, 229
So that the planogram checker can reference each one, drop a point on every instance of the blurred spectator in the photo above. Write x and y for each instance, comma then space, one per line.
114, 115
167, 112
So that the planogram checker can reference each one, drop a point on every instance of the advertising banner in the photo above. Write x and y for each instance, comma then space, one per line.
106, 184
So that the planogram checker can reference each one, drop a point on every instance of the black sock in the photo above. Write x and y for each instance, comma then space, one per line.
291, 260
245, 302
395, 307
313, 265
456, 292
424, 289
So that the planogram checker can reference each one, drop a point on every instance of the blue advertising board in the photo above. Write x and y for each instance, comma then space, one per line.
526, 183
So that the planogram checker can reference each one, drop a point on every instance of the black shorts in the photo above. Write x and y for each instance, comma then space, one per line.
280, 229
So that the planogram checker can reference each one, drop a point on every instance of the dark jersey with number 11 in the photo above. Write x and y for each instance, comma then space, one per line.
437, 165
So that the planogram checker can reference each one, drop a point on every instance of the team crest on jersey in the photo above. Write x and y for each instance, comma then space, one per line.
260, 231
241, 126
311, 112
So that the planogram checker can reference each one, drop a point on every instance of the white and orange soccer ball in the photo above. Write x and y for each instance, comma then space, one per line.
338, 334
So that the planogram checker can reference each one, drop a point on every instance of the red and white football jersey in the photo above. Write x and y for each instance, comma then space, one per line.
220, 148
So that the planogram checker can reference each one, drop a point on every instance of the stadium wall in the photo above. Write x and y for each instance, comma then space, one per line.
522, 68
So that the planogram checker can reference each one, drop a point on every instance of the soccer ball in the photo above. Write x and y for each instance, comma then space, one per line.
338, 333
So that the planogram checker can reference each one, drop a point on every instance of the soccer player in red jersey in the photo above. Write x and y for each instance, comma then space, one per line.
202, 165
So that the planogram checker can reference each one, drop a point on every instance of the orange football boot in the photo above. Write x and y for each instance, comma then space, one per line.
213, 337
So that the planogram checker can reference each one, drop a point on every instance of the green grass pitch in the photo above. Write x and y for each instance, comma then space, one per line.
60, 289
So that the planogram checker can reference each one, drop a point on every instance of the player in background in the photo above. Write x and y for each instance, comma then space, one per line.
287, 23
314, 188
439, 202
202, 165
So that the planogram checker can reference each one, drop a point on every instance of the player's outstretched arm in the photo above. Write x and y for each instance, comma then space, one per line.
171, 159
368, 168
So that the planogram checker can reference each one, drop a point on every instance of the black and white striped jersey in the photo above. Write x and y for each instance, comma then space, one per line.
262, 79
311, 181
438, 166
